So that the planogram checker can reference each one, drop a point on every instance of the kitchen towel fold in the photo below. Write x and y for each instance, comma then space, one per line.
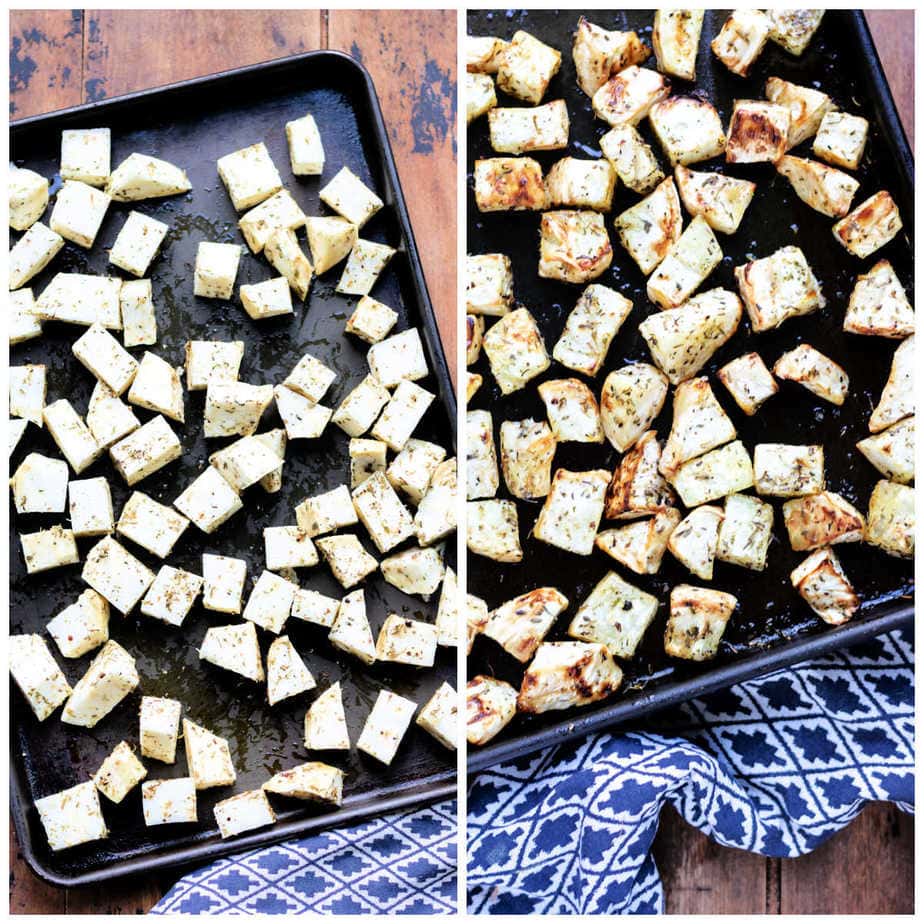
404, 863
775, 765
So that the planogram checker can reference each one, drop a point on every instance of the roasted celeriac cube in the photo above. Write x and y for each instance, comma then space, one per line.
142, 177
574, 246
615, 614
581, 184
440, 715
897, 399
371, 321
821, 582
572, 411
151, 525
137, 243
870, 226
481, 468
745, 532
720, 200
361, 407
397, 358
208, 757
245, 461
100, 353
890, 519
279, 212
825, 189
32, 253
821, 519
812, 369
223, 583
640, 545
267, 299
447, 611
172, 595
157, 387
793, 29
637, 487
82, 626
77, 298
350, 197
599, 53
688, 129
878, 305
527, 450
892, 451
483, 53
526, 67
414, 571
571, 513
116, 574
314, 781
476, 618
325, 722
841, 139
698, 617
109, 418
285, 256
520, 624
366, 458
326, 512
742, 39
39, 485
37, 674
288, 547
306, 151
749, 382
411, 470
119, 773
630, 400
699, 424
686, 266
303, 419
480, 96
78, 213
169, 802
758, 132
785, 470
249, 175
160, 726
716, 474
139, 318
473, 381
778, 287
515, 350
330, 239
234, 408
402, 414
682, 340
651, 227
406, 641
494, 530
364, 266
216, 269
234, 648
627, 98
286, 673
72, 436
522, 129
631, 158
209, 500
111, 676
48, 548
22, 322
28, 197
145, 450
590, 328
695, 539
807, 107
490, 705
566, 674
348, 561
675, 39
509, 184
270, 602
27, 392
385, 726
72, 816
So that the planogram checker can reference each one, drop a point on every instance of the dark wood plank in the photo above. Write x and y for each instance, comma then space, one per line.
46, 54
411, 55
134, 895
893, 33
28, 893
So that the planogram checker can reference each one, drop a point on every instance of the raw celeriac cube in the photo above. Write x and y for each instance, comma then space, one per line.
37, 674
688, 129
890, 520
32, 253
371, 321
223, 583
350, 197
516, 351
675, 39
212, 361
330, 239
572, 411
686, 266
78, 212
821, 582
160, 725
807, 107
216, 269
234, 408
447, 611
878, 305
493, 530
590, 329
27, 392
310, 378
270, 602
697, 622
364, 265
745, 532
286, 674
479, 95
157, 387
77, 298
288, 547
249, 175
527, 450
82, 626
522, 129
360, 408
208, 757
784, 470
414, 571
303, 419
348, 561
244, 812
71, 435
892, 451
139, 320
699, 424
325, 722
116, 574
509, 184
566, 674
39, 485
631, 158
488, 284
142, 177
324, 513
28, 197
276, 440
440, 716
386, 725
436, 513
819, 374
574, 246
72, 816
85, 155
640, 545
778, 287
119, 773
286, 257
151, 525
741, 40
267, 299
402, 414
381, 511
350, 631
398, 358
581, 184
897, 399
871, 225
306, 152
599, 53
519, 625
137, 243
758, 132
716, 474
209, 501
840, 139
244, 462
146, 450
481, 456
234, 648
168, 802
406, 641
172, 595
111, 676
109, 418
793, 29
23, 323
490, 705
749, 382
278, 213
821, 519
314, 781
627, 97
413, 467
314, 607
721, 200
49, 548
694, 540
572, 511
652, 226
99, 352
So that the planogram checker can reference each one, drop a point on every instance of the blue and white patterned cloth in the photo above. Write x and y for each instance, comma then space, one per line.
775, 765
404, 863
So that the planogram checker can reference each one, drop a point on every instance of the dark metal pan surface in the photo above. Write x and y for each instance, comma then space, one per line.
192, 125
772, 626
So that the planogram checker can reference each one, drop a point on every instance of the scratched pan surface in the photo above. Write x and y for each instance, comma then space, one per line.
772, 625
192, 126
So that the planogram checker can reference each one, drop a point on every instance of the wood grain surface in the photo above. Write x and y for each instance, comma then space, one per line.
60, 58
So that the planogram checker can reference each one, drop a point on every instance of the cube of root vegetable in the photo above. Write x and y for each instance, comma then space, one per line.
349, 196
137, 243
209, 501
440, 716
32, 253
386, 726
160, 726
234, 648
244, 812
39, 485
166, 802
249, 175
325, 722
371, 321
111, 676
119, 773
142, 177
48, 548
223, 583
82, 626
78, 212
306, 151
208, 757
37, 674
28, 197
286, 673
116, 575
172, 595
216, 269
72, 816
146, 450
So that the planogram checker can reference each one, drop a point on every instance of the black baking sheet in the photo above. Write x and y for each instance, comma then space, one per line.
772, 626
192, 125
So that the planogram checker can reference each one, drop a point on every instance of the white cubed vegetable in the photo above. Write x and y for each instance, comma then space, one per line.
745, 532
27, 392
208, 757
440, 716
310, 378
364, 265
490, 705
414, 571
493, 530
314, 607
119, 773
72, 816
140, 176
116, 574
146, 450
159, 727
137, 243
306, 152
244, 812
315, 781
78, 212
234, 648
109, 418
351, 631
111, 676
330, 239
82, 626
244, 462
526, 66
326, 512
303, 419
284, 254
153, 526
381, 511
288, 547
209, 501
698, 616
267, 299
24, 324
270, 602
325, 722
85, 155
349, 196
286, 673
249, 175
371, 321
397, 358
28, 197
77, 298
386, 726
413, 467
139, 318
90, 504
106, 358
49, 548
234, 408
216, 269
210, 361
572, 511
169, 802
348, 561
17, 429
37, 674
279, 212
360, 408
402, 415
223, 583
172, 595
32, 253
406, 641
39, 485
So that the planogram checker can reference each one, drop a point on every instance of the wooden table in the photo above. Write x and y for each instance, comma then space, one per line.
62, 58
